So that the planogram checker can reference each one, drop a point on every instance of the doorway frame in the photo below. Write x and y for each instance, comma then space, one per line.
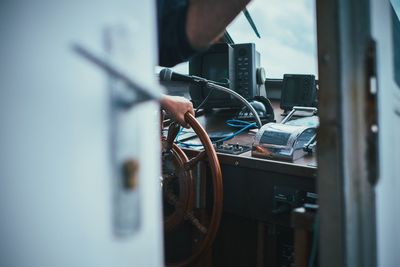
345, 175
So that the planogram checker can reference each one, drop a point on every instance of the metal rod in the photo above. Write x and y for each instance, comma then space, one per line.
297, 108
250, 20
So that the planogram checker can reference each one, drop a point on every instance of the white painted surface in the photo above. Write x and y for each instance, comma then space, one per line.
388, 188
55, 168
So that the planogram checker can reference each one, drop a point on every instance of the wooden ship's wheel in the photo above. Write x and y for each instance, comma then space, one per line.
190, 221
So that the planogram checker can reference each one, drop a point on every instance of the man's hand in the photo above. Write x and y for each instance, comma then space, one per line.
177, 106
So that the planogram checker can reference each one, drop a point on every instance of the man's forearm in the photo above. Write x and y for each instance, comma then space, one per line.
207, 19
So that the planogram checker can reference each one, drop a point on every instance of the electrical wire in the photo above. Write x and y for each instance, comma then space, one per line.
238, 123
251, 125
225, 83
203, 102
186, 144
243, 125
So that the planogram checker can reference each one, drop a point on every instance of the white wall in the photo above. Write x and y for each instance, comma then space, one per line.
56, 197
388, 188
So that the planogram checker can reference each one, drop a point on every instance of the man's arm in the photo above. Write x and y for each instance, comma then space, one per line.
188, 26
185, 29
207, 19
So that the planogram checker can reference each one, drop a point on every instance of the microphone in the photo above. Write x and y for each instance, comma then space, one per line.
168, 75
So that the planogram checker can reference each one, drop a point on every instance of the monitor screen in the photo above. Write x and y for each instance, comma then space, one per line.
293, 91
214, 67
298, 90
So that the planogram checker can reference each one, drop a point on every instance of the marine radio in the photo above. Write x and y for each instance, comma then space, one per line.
235, 66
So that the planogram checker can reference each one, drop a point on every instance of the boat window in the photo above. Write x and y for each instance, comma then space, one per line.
288, 42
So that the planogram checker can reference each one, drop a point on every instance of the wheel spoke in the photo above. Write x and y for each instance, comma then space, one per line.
173, 200
196, 222
193, 161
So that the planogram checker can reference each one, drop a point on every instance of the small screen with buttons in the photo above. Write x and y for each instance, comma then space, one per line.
236, 66
298, 90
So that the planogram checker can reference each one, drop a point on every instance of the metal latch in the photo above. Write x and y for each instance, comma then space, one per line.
126, 93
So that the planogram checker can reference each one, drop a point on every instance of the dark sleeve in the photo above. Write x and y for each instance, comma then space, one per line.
173, 45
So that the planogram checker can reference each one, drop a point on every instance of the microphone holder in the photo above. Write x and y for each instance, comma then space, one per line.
209, 84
